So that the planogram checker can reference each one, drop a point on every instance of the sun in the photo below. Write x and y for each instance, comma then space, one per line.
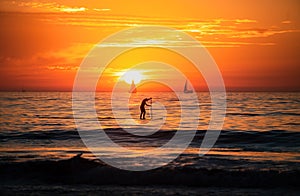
132, 75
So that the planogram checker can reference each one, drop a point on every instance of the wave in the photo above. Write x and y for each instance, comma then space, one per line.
78, 170
271, 141
226, 136
264, 114
292, 123
40, 135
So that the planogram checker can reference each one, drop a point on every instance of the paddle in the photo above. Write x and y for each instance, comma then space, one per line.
151, 115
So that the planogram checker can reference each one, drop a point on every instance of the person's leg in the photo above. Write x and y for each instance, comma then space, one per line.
144, 114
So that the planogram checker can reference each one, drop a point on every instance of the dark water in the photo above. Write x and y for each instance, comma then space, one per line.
259, 143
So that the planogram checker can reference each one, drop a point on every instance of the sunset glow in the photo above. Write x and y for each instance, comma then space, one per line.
160, 97
134, 76
44, 43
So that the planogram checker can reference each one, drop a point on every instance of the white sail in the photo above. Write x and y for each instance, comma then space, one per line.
132, 88
186, 90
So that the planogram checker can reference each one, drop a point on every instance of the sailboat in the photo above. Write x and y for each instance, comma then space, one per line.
186, 90
132, 88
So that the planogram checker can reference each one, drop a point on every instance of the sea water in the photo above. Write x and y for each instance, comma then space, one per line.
260, 132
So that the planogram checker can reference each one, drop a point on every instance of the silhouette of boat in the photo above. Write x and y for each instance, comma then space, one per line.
186, 90
132, 88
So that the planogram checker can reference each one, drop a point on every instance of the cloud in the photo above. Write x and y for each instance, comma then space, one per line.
286, 22
62, 67
65, 59
46, 6
204, 30
230, 44
210, 31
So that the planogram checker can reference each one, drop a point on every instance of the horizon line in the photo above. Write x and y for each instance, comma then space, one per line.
244, 90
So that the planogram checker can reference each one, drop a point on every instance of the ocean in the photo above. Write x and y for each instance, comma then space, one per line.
258, 148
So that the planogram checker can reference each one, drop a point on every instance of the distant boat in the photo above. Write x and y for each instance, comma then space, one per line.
186, 90
132, 88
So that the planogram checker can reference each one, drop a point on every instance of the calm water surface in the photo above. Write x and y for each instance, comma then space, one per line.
261, 129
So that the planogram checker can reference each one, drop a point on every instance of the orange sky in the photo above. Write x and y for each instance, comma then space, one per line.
255, 43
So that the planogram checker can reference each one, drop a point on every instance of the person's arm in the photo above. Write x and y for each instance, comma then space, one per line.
150, 99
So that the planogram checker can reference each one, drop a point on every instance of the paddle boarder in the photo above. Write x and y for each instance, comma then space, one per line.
142, 107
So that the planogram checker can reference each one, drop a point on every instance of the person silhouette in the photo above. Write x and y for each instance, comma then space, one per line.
142, 107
